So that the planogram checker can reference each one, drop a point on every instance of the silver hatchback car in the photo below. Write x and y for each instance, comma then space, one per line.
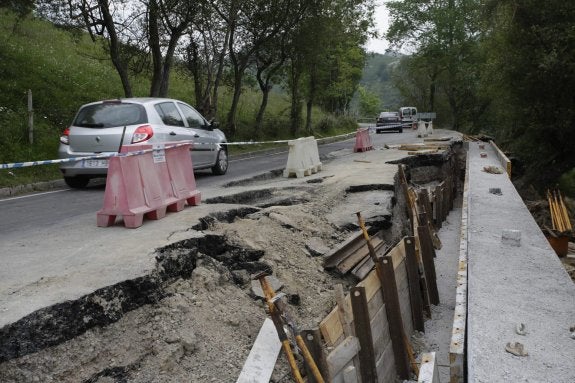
103, 127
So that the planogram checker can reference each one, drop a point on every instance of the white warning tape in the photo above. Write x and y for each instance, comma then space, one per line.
75, 159
139, 152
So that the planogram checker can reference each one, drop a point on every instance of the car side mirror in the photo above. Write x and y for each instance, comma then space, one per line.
214, 124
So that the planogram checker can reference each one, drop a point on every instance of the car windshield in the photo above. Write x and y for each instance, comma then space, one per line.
108, 115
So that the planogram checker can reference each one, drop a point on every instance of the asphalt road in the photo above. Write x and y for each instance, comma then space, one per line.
32, 212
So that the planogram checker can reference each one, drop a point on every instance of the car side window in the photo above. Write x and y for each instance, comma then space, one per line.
193, 118
169, 114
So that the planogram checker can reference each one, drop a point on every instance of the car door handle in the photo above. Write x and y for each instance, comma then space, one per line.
196, 135
172, 133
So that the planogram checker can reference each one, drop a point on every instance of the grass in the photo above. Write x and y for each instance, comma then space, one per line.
67, 69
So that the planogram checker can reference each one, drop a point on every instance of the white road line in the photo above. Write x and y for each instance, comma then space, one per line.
32, 195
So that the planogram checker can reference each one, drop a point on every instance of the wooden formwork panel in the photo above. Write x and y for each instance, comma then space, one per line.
332, 329
503, 159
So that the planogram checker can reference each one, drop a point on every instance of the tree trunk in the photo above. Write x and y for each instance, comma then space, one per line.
121, 68
154, 42
219, 75
231, 122
260, 117
168, 60
295, 111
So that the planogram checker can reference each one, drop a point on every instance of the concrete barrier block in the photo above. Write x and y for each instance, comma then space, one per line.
303, 157
148, 184
421, 129
362, 141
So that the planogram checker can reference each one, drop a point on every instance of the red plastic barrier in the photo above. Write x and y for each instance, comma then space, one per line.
362, 141
148, 184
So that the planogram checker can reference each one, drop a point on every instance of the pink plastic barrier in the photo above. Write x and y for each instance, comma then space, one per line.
362, 141
148, 184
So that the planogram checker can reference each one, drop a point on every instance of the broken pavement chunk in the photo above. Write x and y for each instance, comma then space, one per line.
492, 170
273, 281
516, 349
520, 329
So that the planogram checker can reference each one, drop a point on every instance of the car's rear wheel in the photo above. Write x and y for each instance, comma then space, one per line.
221, 166
77, 182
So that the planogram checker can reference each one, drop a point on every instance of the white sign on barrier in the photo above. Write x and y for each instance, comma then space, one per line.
159, 153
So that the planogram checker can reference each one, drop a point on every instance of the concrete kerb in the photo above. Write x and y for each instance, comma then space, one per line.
458, 332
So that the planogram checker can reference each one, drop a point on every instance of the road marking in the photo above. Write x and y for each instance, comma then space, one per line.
33, 195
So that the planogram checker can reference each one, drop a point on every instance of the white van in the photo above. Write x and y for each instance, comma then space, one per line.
408, 116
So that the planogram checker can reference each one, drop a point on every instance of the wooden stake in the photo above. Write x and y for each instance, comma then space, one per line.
363, 333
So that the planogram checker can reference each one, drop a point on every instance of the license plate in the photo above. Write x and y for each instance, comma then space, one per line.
95, 163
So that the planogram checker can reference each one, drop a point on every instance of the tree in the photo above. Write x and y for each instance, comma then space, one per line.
106, 22
445, 37
531, 72
331, 62
252, 24
167, 22
369, 102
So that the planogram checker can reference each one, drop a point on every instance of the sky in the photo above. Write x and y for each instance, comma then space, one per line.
381, 24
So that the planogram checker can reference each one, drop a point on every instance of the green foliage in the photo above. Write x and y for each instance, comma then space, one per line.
377, 78
369, 102
444, 69
567, 183
531, 68
332, 125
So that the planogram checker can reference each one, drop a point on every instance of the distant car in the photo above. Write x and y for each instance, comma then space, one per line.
408, 116
388, 121
103, 127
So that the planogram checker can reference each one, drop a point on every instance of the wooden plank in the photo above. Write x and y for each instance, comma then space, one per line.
414, 288
330, 326
341, 251
393, 310
405, 189
363, 333
380, 332
403, 295
354, 258
428, 371
261, 360
363, 268
438, 207
503, 159
427, 252
339, 358
385, 366
312, 339
446, 199
345, 317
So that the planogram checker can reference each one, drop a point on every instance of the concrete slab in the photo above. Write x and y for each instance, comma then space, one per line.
511, 284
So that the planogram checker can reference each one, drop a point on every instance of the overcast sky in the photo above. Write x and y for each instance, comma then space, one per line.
381, 24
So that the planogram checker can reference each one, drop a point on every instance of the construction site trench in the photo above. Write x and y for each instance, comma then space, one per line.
195, 317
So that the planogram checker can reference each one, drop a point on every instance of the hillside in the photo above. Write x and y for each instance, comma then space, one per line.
377, 77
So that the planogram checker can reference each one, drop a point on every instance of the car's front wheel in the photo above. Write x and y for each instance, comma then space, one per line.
77, 182
221, 166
